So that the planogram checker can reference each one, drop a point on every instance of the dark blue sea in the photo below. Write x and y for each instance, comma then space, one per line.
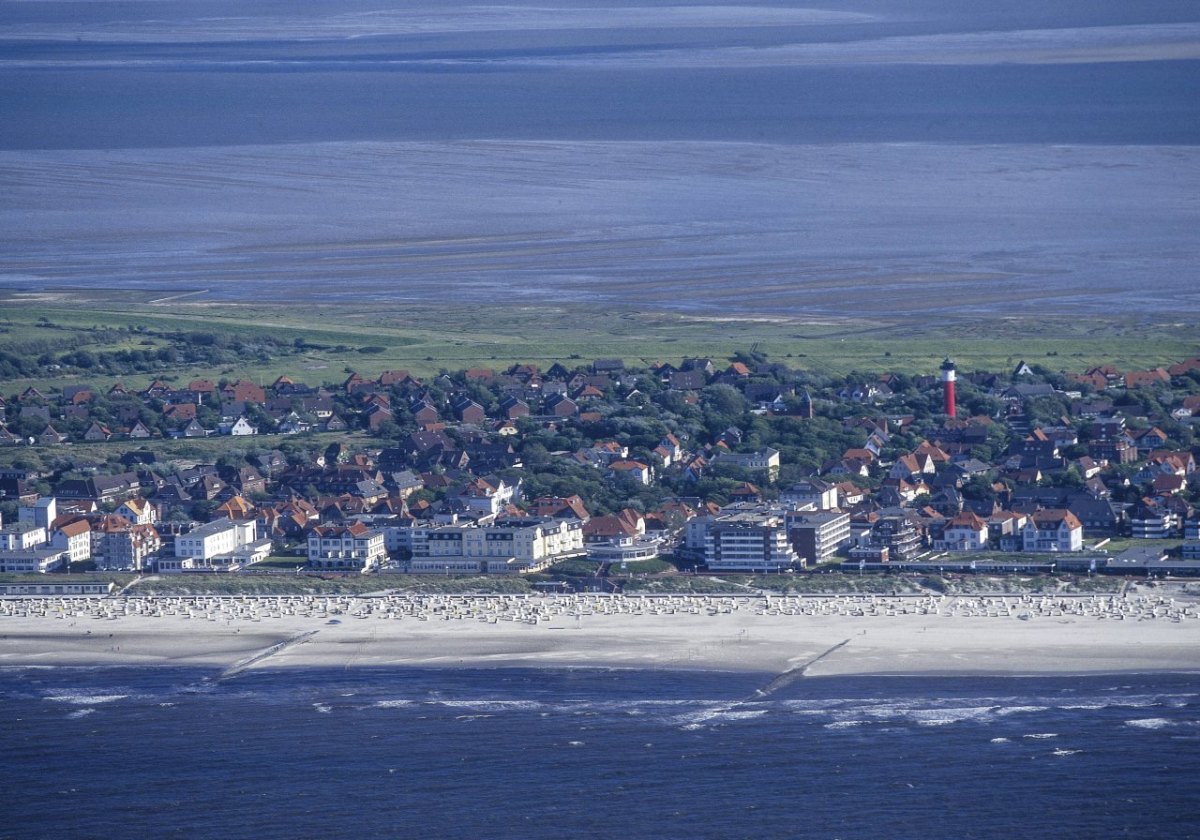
594, 753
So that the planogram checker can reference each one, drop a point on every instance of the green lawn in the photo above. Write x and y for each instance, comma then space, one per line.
642, 567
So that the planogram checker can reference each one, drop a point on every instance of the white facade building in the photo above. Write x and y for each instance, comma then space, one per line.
352, 546
765, 462
965, 532
744, 541
76, 538
39, 560
218, 544
138, 511
530, 544
22, 536
1052, 530
42, 512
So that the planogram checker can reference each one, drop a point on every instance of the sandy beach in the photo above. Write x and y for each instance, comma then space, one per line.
796, 636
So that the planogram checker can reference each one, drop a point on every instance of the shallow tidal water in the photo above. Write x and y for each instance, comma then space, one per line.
857, 157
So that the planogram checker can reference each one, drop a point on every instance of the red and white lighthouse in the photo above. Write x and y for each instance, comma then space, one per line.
949, 376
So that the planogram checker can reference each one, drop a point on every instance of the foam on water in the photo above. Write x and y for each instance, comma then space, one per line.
1149, 723
1016, 710
492, 705
86, 699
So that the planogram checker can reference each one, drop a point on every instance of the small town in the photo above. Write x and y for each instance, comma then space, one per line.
743, 466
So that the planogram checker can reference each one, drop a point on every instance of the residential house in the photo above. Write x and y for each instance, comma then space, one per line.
1054, 529
560, 405
633, 470
965, 532
96, 432
138, 511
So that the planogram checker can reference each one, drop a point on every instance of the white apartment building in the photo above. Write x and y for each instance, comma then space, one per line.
353, 546
129, 547
22, 536
748, 542
39, 560
817, 536
217, 544
76, 538
811, 493
530, 543
42, 512
765, 462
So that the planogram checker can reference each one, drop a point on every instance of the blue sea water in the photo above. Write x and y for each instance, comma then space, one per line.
594, 753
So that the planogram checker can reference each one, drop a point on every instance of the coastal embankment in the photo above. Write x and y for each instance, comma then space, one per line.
791, 636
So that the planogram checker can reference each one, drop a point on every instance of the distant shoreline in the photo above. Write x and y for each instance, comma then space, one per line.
790, 636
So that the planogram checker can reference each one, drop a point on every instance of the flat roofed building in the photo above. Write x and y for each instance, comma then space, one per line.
748, 542
765, 461
533, 543
817, 537
214, 538
22, 536
38, 560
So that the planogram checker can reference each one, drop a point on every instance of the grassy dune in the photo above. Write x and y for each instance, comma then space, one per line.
427, 339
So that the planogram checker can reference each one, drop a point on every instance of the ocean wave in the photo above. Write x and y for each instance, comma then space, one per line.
1017, 710
86, 699
322, 708
1062, 752
492, 705
718, 713
78, 713
943, 716
392, 704
1149, 723
1040, 736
